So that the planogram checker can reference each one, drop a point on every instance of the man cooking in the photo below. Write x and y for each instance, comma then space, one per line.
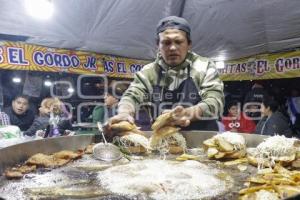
178, 81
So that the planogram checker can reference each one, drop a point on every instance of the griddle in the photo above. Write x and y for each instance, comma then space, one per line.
77, 180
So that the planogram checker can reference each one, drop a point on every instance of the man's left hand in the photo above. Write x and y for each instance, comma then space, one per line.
183, 116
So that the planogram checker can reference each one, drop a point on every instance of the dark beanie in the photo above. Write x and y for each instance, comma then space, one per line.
173, 22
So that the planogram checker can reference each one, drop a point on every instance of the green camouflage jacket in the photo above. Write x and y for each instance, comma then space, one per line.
203, 72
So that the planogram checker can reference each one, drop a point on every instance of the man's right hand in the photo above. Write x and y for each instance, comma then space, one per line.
120, 117
116, 119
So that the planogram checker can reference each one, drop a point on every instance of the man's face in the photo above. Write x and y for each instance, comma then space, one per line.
173, 46
20, 105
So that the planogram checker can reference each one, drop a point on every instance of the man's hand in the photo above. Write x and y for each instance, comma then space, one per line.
113, 120
183, 116
120, 117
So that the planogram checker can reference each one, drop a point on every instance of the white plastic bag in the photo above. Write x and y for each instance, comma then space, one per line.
8, 132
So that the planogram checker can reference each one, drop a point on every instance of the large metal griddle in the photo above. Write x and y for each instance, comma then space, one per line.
17, 154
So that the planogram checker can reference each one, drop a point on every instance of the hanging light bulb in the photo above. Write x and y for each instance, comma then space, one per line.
39, 9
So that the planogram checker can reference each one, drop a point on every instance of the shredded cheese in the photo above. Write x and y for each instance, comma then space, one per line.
274, 148
277, 146
266, 195
237, 140
163, 144
136, 139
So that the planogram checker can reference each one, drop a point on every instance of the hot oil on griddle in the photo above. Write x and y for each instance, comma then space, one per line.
78, 180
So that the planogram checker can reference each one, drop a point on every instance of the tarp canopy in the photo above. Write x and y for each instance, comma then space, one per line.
221, 29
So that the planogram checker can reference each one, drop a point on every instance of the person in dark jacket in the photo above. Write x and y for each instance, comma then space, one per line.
253, 100
50, 108
273, 122
19, 113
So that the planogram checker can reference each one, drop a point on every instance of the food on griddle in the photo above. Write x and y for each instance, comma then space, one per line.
276, 149
130, 138
123, 126
66, 154
58, 192
24, 169
161, 121
185, 157
135, 143
18, 172
42, 160
13, 174
236, 162
225, 145
264, 194
89, 149
280, 183
168, 140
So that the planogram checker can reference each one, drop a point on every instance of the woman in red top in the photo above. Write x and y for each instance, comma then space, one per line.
236, 121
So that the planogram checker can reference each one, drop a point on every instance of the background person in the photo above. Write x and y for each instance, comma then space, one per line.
177, 78
19, 113
4, 119
102, 112
235, 121
253, 100
50, 107
111, 99
293, 109
273, 122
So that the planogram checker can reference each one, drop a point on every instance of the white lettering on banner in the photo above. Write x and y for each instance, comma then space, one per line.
16, 56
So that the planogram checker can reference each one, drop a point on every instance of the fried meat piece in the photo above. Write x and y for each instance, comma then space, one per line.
89, 149
40, 159
69, 155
